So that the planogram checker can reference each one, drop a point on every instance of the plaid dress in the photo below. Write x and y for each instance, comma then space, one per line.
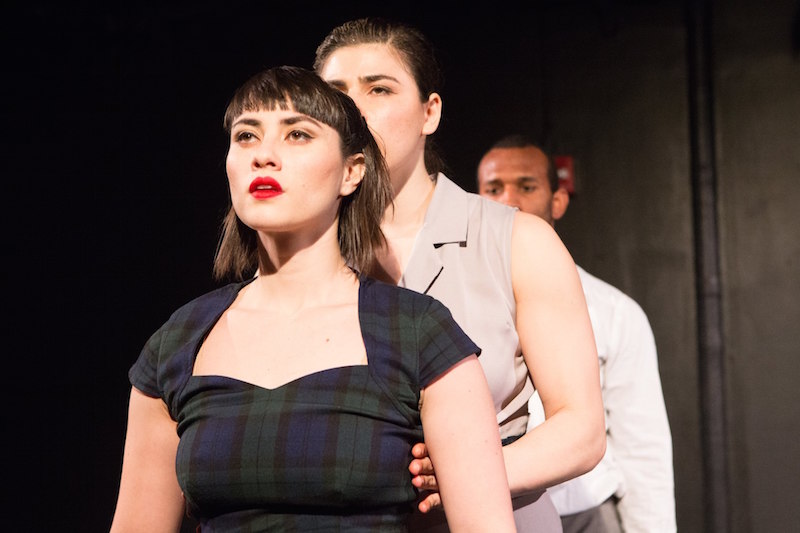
326, 452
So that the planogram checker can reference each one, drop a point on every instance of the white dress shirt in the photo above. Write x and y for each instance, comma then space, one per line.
637, 465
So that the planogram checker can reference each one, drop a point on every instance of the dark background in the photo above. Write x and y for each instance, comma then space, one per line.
114, 187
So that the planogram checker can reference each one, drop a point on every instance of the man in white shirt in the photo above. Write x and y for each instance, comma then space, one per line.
632, 488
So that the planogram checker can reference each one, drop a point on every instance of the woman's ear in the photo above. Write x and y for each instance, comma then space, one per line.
354, 168
433, 114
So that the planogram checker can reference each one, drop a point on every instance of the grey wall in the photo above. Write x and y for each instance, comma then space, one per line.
623, 116
608, 83
757, 93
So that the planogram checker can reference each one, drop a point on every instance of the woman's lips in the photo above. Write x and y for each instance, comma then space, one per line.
262, 188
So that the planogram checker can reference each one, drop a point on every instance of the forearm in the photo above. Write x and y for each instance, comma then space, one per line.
567, 444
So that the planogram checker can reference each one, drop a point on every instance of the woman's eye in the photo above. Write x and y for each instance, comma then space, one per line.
380, 90
299, 135
243, 136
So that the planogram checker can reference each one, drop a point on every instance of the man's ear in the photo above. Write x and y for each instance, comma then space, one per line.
559, 203
433, 114
354, 169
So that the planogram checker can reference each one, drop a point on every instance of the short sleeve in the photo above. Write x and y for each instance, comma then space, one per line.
144, 373
442, 343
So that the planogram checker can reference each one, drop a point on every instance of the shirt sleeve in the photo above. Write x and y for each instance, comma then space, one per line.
638, 428
144, 373
442, 343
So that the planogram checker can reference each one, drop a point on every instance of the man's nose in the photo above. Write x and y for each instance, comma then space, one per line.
509, 197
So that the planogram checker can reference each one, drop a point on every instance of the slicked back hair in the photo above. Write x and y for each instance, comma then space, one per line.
416, 51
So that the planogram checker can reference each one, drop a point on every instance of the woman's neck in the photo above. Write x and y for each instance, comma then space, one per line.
412, 196
301, 276
402, 222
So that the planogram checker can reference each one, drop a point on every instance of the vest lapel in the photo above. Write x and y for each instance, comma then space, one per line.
445, 225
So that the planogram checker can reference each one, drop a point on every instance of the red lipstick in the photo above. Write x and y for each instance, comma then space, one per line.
262, 188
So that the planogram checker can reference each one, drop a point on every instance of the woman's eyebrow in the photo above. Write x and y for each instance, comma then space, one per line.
247, 122
377, 77
294, 119
371, 78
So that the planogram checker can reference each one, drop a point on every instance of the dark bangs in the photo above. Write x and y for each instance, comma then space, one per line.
292, 88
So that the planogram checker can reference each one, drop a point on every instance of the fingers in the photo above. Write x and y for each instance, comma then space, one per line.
425, 483
421, 467
423, 478
419, 450
432, 501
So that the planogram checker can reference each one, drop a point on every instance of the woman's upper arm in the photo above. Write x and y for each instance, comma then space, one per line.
559, 349
150, 498
552, 319
463, 440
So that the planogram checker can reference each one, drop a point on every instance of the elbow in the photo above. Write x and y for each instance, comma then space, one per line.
598, 448
594, 446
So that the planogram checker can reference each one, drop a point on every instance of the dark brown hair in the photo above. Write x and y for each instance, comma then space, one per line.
360, 213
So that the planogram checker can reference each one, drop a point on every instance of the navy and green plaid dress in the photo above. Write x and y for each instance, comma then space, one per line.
326, 452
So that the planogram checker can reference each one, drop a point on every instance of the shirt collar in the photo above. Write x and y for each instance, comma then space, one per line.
446, 222
447, 216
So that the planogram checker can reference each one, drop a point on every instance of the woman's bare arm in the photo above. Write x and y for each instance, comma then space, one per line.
462, 436
559, 348
558, 345
150, 500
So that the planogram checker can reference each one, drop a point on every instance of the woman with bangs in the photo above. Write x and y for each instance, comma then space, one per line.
289, 399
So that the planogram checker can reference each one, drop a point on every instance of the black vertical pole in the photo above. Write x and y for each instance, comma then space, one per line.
709, 308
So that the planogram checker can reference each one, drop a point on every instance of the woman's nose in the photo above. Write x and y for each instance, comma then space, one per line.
266, 155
